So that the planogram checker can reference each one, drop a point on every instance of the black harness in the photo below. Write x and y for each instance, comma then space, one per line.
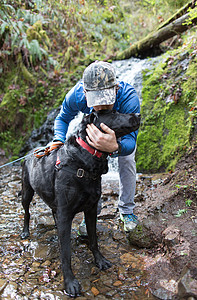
80, 173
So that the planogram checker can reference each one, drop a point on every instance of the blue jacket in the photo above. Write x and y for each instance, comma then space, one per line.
126, 102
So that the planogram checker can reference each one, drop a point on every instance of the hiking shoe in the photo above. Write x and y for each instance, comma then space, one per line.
130, 221
82, 228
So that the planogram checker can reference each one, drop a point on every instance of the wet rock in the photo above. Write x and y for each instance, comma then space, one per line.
25, 288
108, 213
163, 294
143, 236
42, 251
10, 291
187, 285
128, 258
147, 180
139, 197
46, 221
3, 283
35, 264
14, 184
47, 263
110, 294
117, 283
94, 291
108, 192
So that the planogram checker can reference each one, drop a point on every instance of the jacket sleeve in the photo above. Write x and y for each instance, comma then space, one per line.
72, 104
128, 103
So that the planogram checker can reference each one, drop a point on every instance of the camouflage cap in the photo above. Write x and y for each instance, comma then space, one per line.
99, 82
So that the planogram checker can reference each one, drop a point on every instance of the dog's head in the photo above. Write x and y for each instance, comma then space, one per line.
121, 124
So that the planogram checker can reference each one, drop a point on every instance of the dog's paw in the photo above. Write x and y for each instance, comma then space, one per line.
72, 288
24, 235
103, 264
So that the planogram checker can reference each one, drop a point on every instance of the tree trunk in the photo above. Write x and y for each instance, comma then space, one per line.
148, 45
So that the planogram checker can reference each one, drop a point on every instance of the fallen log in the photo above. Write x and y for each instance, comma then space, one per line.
148, 45
182, 11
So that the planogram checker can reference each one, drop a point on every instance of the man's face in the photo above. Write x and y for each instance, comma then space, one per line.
101, 107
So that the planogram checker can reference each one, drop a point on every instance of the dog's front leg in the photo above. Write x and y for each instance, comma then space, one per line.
72, 286
91, 217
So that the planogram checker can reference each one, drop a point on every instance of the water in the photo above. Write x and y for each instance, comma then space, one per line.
30, 269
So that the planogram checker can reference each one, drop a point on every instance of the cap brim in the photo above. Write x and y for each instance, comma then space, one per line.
101, 97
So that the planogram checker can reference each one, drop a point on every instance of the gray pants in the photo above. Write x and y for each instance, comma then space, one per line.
127, 184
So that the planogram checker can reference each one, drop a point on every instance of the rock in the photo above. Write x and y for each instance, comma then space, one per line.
108, 213
94, 291
45, 221
117, 283
143, 236
128, 258
10, 291
47, 263
139, 197
187, 285
3, 283
162, 294
108, 192
147, 180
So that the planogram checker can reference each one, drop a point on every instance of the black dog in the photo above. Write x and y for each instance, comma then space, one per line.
69, 181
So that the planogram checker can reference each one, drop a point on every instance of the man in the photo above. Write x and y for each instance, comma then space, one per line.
100, 90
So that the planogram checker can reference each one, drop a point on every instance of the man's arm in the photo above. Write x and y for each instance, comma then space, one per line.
72, 104
128, 102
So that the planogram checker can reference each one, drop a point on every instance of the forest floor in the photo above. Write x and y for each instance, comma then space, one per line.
156, 261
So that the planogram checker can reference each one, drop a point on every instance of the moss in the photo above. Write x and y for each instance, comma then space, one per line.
24, 107
36, 32
168, 111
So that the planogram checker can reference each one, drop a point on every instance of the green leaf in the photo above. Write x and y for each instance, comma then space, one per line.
4, 26
181, 212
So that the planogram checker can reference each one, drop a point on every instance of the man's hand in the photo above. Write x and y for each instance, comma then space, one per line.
105, 142
55, 145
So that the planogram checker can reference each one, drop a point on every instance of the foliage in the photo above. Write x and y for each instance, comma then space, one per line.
188, 202
180, 212
192, 15
45, 46
21, 33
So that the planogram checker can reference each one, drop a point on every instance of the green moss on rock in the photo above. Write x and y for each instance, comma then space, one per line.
168, 111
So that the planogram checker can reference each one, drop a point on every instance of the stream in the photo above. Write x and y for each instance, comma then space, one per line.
30, 269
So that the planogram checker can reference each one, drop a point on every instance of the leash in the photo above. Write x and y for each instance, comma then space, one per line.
12, 162
18, 159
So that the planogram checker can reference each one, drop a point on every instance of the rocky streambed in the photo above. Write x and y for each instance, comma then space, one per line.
156, 261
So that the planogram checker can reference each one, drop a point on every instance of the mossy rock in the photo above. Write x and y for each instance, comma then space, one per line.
142, 236
168, 111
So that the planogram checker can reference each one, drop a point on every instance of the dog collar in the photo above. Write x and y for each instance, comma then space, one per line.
83, 144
